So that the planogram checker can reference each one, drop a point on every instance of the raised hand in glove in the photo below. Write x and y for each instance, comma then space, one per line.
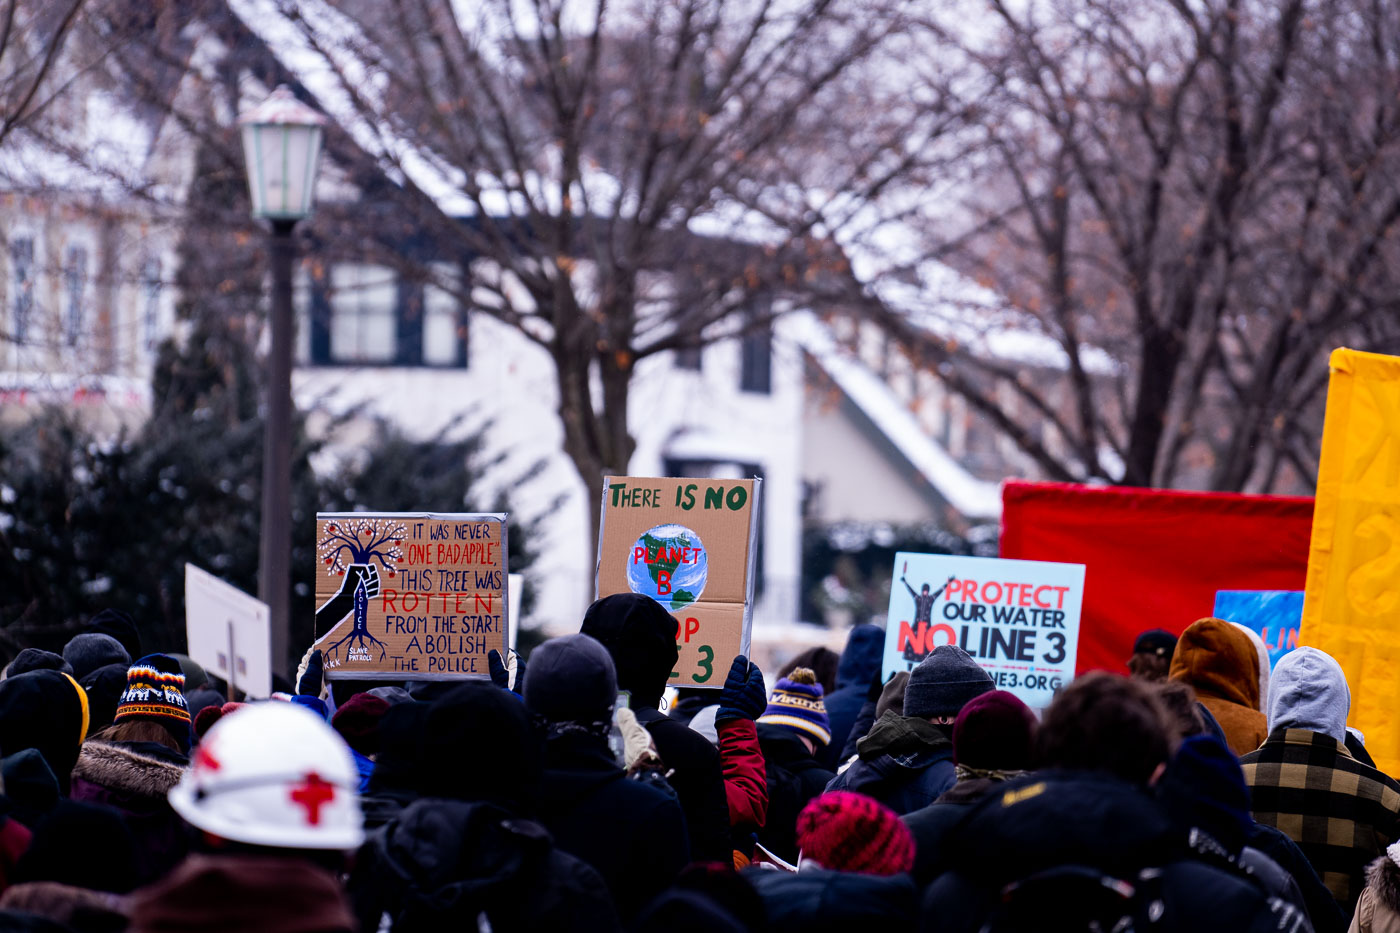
500, 674
743, 696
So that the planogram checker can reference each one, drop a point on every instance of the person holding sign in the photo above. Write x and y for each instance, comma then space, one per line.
640, 636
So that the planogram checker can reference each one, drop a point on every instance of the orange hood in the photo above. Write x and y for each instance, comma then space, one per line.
1218, 660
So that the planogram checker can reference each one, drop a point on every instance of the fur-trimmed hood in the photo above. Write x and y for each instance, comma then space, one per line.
128, 769
1383, 877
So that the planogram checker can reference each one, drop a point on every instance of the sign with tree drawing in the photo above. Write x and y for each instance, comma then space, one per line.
410, 596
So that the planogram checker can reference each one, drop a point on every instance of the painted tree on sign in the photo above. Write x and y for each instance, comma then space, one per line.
356, 549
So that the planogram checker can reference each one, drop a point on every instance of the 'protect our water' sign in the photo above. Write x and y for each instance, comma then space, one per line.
1018, 618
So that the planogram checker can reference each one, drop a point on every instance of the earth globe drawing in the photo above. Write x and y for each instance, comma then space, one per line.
669, 564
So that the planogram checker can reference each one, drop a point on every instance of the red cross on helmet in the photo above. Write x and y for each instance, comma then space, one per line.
273, 774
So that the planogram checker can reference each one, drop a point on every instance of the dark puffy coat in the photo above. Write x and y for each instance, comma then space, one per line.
698, 781
441, 864
860, 662
931, 824
824, 901
904, 763
1058, 819
1323, 912
641, 639
134, 777
794, 777
632, 833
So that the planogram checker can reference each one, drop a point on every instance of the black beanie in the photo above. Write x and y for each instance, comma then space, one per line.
943, 682
48, 711
641, 637
471, 721
120, 626
571, 679
36, 659
104, 688
91, 650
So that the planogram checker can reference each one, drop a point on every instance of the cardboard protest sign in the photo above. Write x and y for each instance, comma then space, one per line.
1352, 606
1273, 614
228, 632
1018, 618
689, 544
410, 596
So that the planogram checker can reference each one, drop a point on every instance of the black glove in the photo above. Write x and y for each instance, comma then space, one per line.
310, 683
877, 687
743, 696
500, 674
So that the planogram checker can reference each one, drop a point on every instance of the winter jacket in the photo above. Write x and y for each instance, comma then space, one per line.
905, 763
1341, 813
1056, 820
134, 777
860, 662
237, 893
745, 787
931, 823
442, 864
794, 776
822, 901
1220, 663
698, 781
1378, 910
633, 834
365, 768
1323, 911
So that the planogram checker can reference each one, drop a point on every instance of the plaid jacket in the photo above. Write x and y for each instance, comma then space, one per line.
1341, 812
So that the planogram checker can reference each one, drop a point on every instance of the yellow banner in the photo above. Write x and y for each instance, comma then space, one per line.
1352, 607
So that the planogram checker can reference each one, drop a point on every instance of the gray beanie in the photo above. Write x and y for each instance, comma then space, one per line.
943, 682
571, 679
87, 652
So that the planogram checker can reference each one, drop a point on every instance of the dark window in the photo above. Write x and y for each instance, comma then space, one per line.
756, 361
22, 270
150, 298
689, 358
74, 293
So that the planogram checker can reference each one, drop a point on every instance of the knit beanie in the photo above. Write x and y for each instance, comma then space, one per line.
358, 722
87, 652
844, 831
120, 626
571, 679
1204, 786
796, 704
943, 682
104, 688
641, 638
994, 732
37, 659
155, 693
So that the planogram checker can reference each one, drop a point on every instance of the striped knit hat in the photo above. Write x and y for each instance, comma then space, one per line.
155, 692
797, 704
851, 832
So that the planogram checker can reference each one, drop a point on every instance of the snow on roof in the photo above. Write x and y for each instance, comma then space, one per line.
971, 496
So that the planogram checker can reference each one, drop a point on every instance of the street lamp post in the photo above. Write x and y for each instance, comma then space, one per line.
281, 144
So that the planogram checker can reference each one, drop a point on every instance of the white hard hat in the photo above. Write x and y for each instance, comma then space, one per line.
273, 774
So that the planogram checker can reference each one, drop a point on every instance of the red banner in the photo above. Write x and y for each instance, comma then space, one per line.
1154, 558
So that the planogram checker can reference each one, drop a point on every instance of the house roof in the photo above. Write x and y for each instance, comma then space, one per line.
973, 497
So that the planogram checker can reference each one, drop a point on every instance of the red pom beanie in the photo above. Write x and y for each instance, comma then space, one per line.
854, 833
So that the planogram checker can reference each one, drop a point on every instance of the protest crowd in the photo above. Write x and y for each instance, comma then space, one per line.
1202, 792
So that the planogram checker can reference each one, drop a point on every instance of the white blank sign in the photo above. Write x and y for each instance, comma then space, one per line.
229, 632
